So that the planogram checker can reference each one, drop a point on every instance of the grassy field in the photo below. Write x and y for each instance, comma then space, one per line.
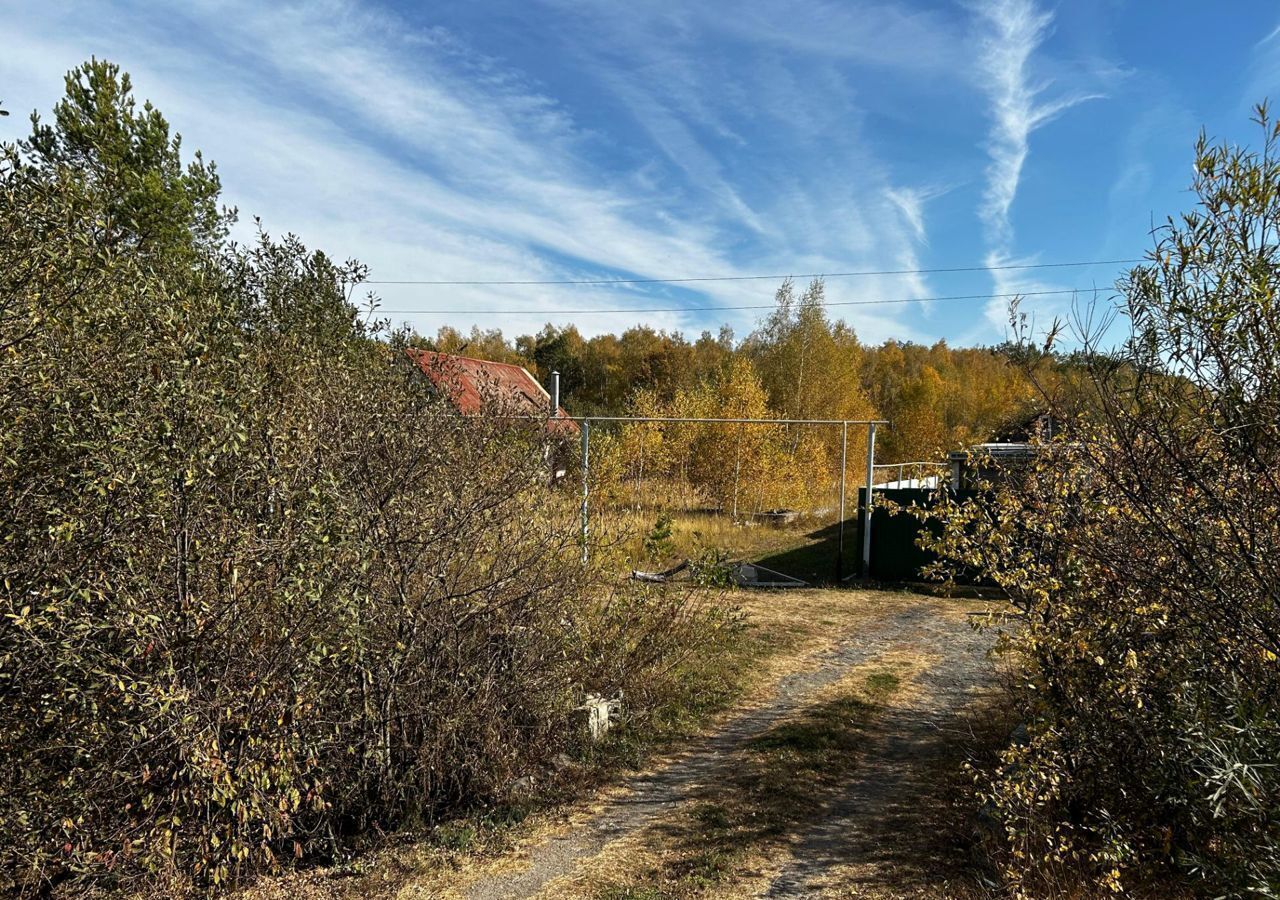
806, 548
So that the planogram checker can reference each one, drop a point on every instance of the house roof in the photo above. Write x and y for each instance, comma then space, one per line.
471, 385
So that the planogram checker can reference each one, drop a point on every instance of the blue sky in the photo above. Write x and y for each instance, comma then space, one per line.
547, 139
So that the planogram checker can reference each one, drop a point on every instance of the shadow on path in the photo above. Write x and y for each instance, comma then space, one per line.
881, 837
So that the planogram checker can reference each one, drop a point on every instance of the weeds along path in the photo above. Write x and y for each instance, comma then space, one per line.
903, 624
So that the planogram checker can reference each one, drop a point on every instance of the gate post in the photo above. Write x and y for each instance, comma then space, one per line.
844, 465
866, 513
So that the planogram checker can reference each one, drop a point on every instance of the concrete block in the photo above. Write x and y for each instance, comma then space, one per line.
598, 714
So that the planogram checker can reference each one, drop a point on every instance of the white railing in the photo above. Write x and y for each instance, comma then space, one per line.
916, 466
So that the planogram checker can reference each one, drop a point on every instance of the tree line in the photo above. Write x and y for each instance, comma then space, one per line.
800, 362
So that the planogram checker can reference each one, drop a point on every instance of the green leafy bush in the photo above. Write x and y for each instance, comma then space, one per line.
712, 567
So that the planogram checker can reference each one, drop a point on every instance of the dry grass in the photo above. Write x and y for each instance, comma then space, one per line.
692, 533
733, 837
796, 625
727, 839
788, 631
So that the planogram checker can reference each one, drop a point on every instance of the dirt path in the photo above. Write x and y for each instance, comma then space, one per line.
865, 838
876, 838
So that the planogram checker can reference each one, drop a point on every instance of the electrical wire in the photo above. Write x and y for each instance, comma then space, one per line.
688, 309
707, 278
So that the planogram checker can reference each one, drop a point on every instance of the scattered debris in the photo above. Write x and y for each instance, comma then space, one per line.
742, 574
660, 577
778, 516
747, 574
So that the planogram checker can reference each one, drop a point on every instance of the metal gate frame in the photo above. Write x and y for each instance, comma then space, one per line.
585, 428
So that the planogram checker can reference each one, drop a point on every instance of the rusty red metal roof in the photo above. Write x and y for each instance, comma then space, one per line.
476, 385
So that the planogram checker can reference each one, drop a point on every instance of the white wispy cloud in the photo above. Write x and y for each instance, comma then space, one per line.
891, 35
1012, 32
911, 202
402, 146
377, 142
1263, 74
1016, 30
775, 136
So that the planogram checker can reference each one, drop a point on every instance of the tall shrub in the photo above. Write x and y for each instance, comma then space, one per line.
1144, 549
260, 590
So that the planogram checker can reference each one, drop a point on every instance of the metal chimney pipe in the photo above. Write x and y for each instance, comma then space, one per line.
555, 395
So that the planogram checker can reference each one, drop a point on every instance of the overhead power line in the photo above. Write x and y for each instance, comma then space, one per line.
691, 280
664, 309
